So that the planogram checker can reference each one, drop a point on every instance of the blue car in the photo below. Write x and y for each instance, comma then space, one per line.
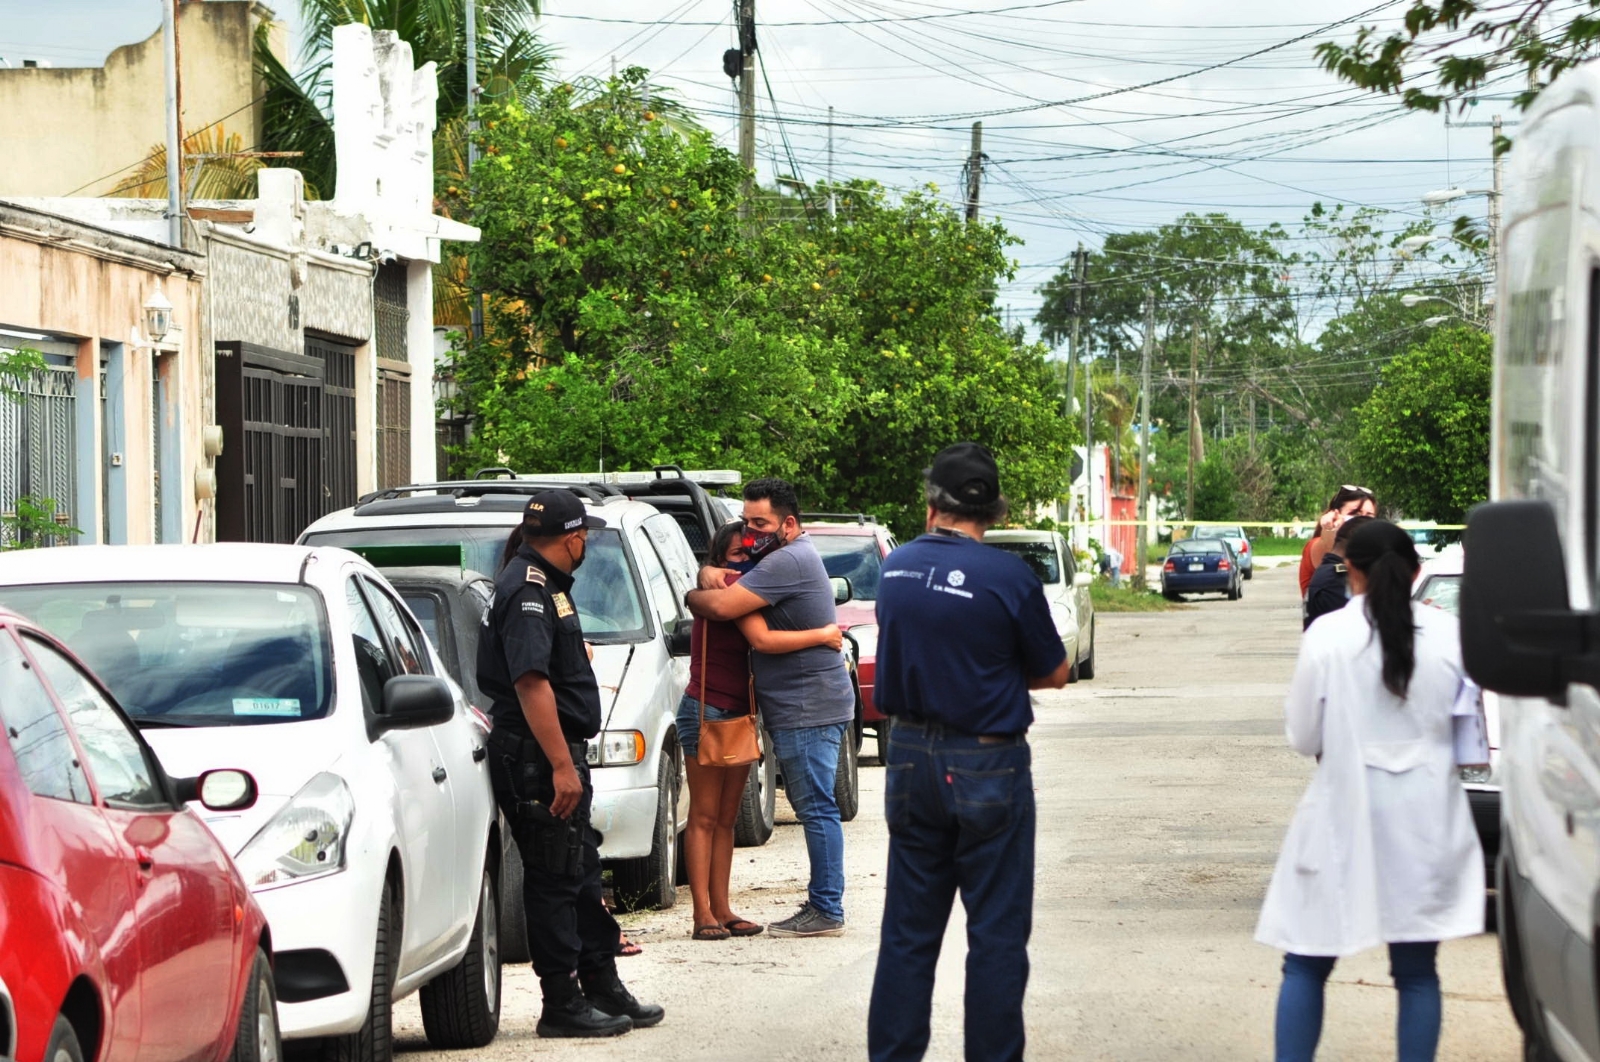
1201, 566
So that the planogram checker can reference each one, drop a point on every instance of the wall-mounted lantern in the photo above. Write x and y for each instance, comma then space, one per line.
157, 316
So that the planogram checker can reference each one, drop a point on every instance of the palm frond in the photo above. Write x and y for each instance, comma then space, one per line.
295, 118
211, 167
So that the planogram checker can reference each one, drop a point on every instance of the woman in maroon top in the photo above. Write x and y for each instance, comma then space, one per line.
719, 670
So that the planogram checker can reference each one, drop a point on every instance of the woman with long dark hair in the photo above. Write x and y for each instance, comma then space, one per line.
1382, 848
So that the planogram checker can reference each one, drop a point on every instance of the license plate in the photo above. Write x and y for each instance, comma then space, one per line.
1197, 567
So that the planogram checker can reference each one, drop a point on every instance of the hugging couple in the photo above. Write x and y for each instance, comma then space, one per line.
765, 608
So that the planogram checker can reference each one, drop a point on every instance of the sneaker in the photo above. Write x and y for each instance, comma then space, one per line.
576, 1017
807, 922
609, 995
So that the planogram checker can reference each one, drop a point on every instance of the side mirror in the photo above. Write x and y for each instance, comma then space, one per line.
1082, 579
678, 637
414, 701
842, 590
1519, 635
221, 790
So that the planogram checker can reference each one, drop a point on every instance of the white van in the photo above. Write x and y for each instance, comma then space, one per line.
1530, 628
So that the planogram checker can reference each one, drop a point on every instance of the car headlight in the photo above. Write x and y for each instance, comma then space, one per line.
866, 639
1477, 773
305, 839
615, 748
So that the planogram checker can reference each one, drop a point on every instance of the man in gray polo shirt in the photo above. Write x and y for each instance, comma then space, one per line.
805, 697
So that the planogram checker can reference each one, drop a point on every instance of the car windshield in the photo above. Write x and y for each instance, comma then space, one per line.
853, 557
1218, 532
1041, 557
605, 590
1199, 545
194, 654
1442, 592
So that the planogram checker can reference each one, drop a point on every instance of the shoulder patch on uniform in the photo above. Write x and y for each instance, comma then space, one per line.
536, 575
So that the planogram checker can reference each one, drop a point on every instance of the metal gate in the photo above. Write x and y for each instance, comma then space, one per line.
394, 428
270, 482
339, 418
40, 426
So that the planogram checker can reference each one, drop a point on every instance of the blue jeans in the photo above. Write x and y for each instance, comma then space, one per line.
809, 758
1299, 1024
961, 817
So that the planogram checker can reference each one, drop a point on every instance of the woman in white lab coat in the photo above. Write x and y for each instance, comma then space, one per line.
1382, 849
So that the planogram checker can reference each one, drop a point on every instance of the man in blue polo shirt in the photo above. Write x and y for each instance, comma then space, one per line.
964, 634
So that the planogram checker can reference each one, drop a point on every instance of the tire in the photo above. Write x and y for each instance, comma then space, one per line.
461, 1007
847, 782
374, 1041
1086, 665
63, 1045
1171, 595
639, 884
758, 810
257, 1038
513, 917
1250, 573
1233, 593
881, 731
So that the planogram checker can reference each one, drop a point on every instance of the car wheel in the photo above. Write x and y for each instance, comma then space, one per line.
758, 810
881, 732
650, 881
513, 916
1249, 573
257, 1038
1086, 665
1172, 595
847, 782
63, 1045
374, 1041
1233, 592
461, 1007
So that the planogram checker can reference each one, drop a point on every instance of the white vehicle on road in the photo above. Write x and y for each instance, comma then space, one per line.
372, 847
1066, 588
629, 596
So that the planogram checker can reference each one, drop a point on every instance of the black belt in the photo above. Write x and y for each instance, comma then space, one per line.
939, 728
528, 749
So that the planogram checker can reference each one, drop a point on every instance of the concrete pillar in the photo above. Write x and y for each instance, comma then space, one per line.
419, 353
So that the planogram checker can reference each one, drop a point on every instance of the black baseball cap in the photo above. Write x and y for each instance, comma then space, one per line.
967, 470
556, 512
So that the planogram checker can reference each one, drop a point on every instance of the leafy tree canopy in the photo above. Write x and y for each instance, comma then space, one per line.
1423, 436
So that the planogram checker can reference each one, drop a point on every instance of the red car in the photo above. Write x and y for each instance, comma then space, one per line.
126, 935
853, 546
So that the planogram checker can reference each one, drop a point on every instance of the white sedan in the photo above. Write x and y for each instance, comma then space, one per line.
373, 847
1066, 588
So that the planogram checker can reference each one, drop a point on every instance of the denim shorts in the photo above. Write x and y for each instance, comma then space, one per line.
689, 722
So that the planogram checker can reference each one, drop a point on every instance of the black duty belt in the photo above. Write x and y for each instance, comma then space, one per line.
526, 748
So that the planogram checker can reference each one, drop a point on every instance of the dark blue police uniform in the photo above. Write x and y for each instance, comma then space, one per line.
963, 627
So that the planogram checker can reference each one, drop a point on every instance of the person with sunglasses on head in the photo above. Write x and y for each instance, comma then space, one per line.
1330, 588
719, 686
1382, 848
1349, 501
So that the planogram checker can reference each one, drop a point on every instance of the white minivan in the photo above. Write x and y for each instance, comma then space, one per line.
1530, 627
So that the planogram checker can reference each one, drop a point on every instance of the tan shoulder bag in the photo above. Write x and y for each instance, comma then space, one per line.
726, 742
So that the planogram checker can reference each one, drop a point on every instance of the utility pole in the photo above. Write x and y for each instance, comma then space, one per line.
1080, 267
832, 210
1494, 200
1194, 412
747, 103
974, 171
1088, 440
1141, 548
475, 297
169, 56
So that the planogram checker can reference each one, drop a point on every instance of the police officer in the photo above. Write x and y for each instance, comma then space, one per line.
964, 633
534, 667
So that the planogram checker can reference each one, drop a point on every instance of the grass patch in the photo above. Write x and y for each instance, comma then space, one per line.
1126, 599
1277, 547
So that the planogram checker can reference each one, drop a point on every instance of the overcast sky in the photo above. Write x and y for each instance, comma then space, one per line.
1243, 120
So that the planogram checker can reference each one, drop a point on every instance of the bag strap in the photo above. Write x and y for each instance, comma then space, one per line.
705, 646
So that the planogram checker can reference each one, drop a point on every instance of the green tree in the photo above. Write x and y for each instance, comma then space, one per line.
1467, 42
1423, 435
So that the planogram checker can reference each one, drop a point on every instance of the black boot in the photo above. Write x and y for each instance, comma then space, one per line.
607, 994
568, 1014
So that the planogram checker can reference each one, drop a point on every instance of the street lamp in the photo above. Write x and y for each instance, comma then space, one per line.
1434, 322
1408, 301
1413, 244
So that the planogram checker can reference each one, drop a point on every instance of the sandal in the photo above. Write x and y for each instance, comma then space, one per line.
627, 947
712, 932
743, 927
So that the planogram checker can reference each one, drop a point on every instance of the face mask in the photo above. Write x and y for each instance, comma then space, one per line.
577, 562
740, 566
760, 543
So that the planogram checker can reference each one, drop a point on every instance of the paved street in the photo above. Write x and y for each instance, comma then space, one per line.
1164, 789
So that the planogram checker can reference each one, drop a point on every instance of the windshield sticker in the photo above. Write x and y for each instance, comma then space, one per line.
277, 706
